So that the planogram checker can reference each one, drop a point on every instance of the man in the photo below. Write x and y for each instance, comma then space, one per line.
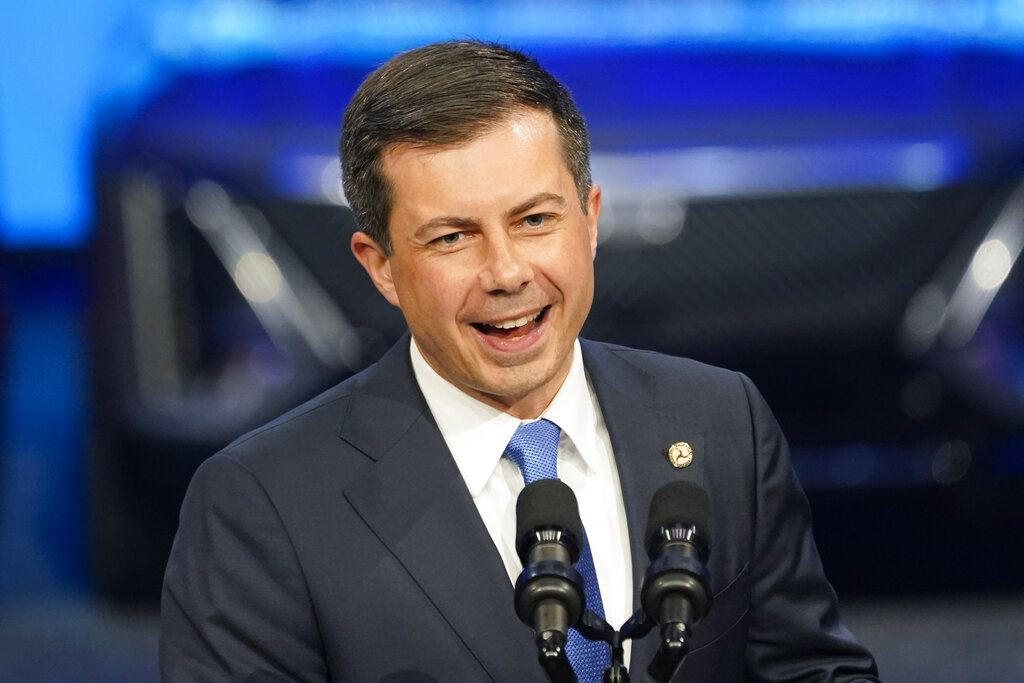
369, 534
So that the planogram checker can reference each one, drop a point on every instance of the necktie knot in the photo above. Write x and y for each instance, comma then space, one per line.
534, 450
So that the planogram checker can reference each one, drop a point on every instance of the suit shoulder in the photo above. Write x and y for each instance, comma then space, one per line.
328, 406
291, 452
340, 430
661, 380
386, 384
664, 365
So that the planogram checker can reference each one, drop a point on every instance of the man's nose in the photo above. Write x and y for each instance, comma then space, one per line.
506, 268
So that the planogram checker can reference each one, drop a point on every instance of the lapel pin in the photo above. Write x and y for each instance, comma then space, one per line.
680, 454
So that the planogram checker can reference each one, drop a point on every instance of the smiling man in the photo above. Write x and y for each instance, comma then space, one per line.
491, 259
370, 534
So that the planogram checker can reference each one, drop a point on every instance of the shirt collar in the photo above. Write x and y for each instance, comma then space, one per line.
477, 433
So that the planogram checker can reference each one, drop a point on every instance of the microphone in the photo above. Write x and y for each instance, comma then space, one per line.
676, 589
549, 593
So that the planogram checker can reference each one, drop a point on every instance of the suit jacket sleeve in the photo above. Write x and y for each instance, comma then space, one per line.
795, 631
234, 599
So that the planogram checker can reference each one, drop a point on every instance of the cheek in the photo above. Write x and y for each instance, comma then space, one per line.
433, 289
571, 264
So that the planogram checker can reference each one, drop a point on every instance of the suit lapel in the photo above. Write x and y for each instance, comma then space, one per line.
416, 502
641, 432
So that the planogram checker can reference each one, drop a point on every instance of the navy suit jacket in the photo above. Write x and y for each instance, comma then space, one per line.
339, 542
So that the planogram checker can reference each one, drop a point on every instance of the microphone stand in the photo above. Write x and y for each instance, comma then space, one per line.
675, 645
593, 627
552, 657
555, 662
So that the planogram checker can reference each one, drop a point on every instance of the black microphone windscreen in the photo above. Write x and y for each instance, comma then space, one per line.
547, 503
679, 502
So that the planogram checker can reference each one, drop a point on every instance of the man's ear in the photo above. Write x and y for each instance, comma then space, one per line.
377, 264
593, 214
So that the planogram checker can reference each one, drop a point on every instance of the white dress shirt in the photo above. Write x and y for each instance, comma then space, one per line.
477, 434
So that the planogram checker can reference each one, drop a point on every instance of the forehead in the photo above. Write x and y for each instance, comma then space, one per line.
519, 153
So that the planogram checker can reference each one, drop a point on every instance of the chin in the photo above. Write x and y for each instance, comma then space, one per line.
513, 389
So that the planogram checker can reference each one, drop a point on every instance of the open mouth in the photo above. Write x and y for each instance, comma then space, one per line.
513, 329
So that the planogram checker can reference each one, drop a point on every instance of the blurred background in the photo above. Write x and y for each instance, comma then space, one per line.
826, 196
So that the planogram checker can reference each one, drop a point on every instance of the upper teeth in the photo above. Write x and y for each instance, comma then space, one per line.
519, 322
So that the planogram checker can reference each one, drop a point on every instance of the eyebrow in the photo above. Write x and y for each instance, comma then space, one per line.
463, 222
447, 222
539, 198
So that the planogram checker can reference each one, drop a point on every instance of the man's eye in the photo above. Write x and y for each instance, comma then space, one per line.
450, 238
535, 220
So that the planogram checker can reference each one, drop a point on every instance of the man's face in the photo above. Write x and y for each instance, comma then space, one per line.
492, 259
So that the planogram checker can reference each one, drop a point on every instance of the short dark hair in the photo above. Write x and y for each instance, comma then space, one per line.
444, 94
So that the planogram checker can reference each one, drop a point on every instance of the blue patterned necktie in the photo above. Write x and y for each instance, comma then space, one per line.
534, 449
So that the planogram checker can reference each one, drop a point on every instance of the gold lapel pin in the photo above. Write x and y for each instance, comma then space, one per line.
680, 454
